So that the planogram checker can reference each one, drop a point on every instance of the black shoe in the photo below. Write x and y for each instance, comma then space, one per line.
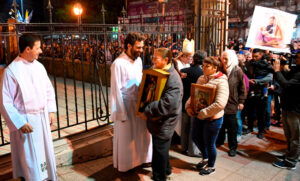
232, 153
260, 135
283, 164
247, 131
207, 171
169, 172
280, 157
201, 164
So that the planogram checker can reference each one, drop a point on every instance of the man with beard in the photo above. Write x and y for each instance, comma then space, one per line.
132, 141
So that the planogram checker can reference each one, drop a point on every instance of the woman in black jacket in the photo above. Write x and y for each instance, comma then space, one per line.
162, 115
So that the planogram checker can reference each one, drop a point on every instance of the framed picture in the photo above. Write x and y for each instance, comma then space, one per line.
201, 96
153, 83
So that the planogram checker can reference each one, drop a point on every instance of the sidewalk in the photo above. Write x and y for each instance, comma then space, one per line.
253, 162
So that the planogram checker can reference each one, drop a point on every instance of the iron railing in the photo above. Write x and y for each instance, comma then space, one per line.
79, 68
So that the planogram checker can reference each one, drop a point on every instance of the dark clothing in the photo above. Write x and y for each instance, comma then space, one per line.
229, 123
193, 73
291, 127
160, 160
163, 114
290, 99
206, 138
290, 102
237, 90
257, 105
262, 68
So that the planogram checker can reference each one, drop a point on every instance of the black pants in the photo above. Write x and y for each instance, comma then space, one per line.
160, 159
257, 106
229, 123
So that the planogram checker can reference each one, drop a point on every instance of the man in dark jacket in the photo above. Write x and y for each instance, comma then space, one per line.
192, 74
290, 102
162, 116
257, 102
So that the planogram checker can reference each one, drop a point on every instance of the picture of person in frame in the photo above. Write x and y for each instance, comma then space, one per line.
201, 100
149, 92
271, 35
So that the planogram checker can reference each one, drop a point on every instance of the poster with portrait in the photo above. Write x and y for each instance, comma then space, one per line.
153, 83
201, 96
271, 29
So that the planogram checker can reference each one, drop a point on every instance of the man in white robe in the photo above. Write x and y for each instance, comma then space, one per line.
27, 103
132, 144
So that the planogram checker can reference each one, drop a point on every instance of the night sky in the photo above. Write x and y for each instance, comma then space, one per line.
36, 6
62, 12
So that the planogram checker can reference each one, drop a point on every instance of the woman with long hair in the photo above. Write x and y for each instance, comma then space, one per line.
209, 120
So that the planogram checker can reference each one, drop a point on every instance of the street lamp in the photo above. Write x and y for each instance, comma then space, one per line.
50, 7
77, 9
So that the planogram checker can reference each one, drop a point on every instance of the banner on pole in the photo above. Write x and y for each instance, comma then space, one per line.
271, 29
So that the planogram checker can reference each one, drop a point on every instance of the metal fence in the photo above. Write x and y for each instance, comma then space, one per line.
78, 58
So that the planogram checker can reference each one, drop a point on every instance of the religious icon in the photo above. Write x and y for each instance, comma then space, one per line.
201, 96
271, 29
153, 83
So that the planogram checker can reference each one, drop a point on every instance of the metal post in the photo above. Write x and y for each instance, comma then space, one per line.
14, 4
103, 14
141, 16
50, 7
198, 24
124, 14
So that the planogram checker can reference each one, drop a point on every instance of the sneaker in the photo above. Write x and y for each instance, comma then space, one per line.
283, 164
280, 157
260, 135
207, 171
239, 138
232, 153
201, 164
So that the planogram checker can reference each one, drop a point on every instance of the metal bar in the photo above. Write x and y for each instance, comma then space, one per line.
65, 83
91, 76
82, 74
1, 129
54, 77
74, 82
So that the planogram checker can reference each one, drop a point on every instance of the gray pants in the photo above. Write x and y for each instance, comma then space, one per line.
291, 126
187, 143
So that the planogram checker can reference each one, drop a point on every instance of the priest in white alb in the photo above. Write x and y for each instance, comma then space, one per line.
132, 145
27, 103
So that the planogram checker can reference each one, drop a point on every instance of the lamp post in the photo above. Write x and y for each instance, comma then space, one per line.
50, 7
14, 4
163, 8
103, 14
141, 16
77, 8
124, 14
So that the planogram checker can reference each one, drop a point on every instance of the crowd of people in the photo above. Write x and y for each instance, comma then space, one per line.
243, 83
94, 50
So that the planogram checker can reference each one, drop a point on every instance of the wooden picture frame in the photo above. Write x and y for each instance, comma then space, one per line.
152, 85
201, 96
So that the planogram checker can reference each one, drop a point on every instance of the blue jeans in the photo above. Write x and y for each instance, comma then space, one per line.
240, 122
205, 134
268, 112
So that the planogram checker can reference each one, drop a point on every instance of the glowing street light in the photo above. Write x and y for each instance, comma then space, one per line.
77, 9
